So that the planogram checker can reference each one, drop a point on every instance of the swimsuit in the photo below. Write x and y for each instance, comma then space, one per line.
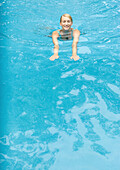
64, 37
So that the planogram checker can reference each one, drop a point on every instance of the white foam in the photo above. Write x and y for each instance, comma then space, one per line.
75, 92
87, 77
84, 50
114, 88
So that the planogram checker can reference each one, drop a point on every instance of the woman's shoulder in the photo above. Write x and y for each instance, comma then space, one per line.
56, 33
76, 32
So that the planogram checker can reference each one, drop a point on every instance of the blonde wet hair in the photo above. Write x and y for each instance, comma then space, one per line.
66, 15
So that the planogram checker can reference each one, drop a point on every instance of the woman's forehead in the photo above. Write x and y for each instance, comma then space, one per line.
65, 18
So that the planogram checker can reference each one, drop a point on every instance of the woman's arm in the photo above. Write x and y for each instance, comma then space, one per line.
76, 35
55, 35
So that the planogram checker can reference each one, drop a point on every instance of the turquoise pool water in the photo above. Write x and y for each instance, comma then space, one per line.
61, 115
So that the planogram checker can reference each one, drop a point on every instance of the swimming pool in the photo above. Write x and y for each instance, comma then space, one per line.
61, 115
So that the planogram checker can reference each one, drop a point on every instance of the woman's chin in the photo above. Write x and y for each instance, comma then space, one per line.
66, 28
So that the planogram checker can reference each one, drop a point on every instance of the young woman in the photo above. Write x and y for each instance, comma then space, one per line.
66, 33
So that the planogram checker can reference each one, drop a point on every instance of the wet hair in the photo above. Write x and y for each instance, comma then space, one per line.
66, 15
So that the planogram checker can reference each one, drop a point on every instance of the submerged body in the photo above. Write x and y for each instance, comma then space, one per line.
66, 33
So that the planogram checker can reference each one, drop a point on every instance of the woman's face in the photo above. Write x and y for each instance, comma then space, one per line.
66, 23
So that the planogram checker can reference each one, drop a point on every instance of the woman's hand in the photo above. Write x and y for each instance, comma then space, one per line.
53, 57
75, 57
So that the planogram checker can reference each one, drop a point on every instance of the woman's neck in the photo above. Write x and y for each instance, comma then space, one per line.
66, 31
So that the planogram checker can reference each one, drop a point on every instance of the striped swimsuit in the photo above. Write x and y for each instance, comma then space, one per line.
65, 37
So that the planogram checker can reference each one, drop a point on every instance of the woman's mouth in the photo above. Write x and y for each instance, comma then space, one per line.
66, 27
